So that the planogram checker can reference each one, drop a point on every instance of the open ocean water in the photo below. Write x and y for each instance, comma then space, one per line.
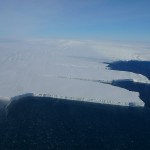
35, 123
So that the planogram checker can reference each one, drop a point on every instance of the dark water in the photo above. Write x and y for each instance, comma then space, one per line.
140, 67
34, 123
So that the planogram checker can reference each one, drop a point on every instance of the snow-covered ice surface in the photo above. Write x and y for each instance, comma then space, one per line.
53, 67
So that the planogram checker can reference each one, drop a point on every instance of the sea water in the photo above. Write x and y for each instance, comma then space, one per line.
48, 123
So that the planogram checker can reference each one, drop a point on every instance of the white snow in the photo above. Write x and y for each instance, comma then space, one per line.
52, 67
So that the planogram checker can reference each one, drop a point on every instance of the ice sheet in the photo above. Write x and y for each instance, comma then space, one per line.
48, 67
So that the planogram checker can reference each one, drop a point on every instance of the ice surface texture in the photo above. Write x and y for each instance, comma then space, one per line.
37, 66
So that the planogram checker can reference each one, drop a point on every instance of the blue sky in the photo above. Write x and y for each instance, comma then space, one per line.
85, 19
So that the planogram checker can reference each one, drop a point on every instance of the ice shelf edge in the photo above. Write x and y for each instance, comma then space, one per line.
100, 101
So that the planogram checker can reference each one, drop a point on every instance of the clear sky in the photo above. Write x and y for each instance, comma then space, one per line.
86, 19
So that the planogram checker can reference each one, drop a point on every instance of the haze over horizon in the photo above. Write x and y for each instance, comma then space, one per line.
80, 19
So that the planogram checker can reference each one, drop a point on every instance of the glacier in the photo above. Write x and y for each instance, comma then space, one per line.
51, 67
